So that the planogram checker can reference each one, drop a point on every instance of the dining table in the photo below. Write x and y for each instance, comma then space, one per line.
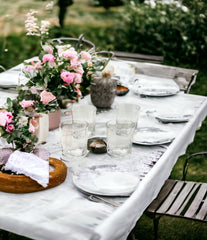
103, 197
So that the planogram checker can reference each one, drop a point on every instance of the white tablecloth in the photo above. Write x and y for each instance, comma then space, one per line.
65, 213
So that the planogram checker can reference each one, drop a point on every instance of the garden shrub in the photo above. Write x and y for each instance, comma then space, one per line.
177, 33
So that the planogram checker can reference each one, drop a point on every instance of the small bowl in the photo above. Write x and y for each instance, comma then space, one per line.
97, 145
121, 90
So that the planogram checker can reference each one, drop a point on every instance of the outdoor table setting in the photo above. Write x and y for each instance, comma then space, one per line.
117, 159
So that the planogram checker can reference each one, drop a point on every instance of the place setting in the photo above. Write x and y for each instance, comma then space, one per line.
151, 86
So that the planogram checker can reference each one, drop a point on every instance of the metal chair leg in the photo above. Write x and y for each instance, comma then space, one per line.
156, 223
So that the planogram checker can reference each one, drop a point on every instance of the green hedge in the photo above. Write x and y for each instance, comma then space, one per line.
180, 35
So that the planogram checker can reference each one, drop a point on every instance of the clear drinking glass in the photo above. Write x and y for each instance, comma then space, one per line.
119, 138
127, 112
86, 113
73, 139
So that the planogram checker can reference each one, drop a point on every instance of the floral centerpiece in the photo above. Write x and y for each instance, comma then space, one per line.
63, 70
19, 118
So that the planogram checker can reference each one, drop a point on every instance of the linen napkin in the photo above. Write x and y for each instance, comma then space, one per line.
30, 165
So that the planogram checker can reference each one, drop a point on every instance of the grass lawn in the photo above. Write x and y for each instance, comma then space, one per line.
95, 23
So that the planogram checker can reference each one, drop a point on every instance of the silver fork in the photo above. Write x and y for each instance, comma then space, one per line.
100, 199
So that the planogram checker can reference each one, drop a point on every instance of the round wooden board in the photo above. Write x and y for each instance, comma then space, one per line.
23, 184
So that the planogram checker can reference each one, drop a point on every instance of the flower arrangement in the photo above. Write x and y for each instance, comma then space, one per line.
19, 119
63, 70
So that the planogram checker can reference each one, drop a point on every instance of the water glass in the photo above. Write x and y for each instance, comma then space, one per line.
127, 112
73, 139
119, 138
86, 113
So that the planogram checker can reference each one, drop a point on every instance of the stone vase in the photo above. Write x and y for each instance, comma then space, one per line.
103, 91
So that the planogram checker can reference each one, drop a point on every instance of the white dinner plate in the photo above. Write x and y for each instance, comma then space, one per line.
150, 136
155, 86
157, 92
106, 183
174, 118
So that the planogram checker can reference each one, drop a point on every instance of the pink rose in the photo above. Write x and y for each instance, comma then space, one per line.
85, 56
48, 58
60, 51
38, 65
48, 48
33, 90
10, 128
26, 103
77, 78
74, 63
46, 97
5, 118
79, 70
29, 68
78, 90
70, 53
9, 117
67, 77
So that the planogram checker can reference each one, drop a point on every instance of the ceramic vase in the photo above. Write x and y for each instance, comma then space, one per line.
54, 119
103, 91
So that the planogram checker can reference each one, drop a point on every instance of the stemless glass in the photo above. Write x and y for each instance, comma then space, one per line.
85, 112
119, 138
73, 139
127, 112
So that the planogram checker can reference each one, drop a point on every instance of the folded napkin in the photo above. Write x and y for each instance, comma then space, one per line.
30, 165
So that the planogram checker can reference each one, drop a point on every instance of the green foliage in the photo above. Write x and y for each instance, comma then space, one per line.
15, 48
176, 33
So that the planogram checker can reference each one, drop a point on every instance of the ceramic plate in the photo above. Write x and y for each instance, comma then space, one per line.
150, 136
157, 92
105, 182
155, 86
174, 118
